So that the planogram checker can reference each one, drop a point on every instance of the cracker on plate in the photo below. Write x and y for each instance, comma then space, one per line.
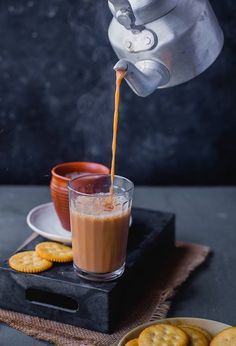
225, 338
163, 334
133, 342
196, 337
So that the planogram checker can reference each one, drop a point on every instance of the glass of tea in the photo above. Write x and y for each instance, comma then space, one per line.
100, 216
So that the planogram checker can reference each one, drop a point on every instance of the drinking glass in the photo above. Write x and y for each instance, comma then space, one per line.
100, 216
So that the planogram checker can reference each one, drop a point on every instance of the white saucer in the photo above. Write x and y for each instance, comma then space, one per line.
44, 221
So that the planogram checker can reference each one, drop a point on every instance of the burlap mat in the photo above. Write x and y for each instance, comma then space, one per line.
155, 304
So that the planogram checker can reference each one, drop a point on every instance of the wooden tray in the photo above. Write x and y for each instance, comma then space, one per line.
59, 294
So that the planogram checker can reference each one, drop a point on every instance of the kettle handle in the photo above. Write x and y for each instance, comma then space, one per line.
122, 11
120, 4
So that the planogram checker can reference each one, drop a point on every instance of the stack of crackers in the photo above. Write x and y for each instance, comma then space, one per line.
182, 335
42, 258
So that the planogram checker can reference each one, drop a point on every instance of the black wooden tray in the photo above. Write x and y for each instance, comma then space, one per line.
59, 294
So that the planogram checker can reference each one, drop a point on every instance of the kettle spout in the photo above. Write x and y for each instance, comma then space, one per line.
145, 76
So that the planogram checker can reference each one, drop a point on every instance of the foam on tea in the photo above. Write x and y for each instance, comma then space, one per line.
97, 205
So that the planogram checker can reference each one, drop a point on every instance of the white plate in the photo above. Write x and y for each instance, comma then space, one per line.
213, 327
44, 221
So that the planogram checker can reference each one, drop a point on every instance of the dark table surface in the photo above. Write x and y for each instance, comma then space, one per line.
203, 215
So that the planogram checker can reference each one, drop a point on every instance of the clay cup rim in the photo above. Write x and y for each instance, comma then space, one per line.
61, 169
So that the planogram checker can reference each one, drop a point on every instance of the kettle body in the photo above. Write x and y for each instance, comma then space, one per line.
183, 41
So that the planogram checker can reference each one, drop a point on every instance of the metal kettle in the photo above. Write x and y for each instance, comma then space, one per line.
162, 43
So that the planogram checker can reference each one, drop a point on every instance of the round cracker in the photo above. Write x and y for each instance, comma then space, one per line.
133, 342
29, 262
54, 252
163, 334
196, 337
201, 330
180, 323
225, 338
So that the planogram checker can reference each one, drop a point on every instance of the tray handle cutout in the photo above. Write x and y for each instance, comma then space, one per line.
51, 300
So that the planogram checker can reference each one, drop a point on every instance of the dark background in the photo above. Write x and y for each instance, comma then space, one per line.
56, 101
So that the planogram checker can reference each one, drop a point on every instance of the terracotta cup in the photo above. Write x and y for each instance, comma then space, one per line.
61, 174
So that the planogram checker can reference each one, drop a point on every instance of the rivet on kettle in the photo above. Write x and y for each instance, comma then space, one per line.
147, 41
128, 44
